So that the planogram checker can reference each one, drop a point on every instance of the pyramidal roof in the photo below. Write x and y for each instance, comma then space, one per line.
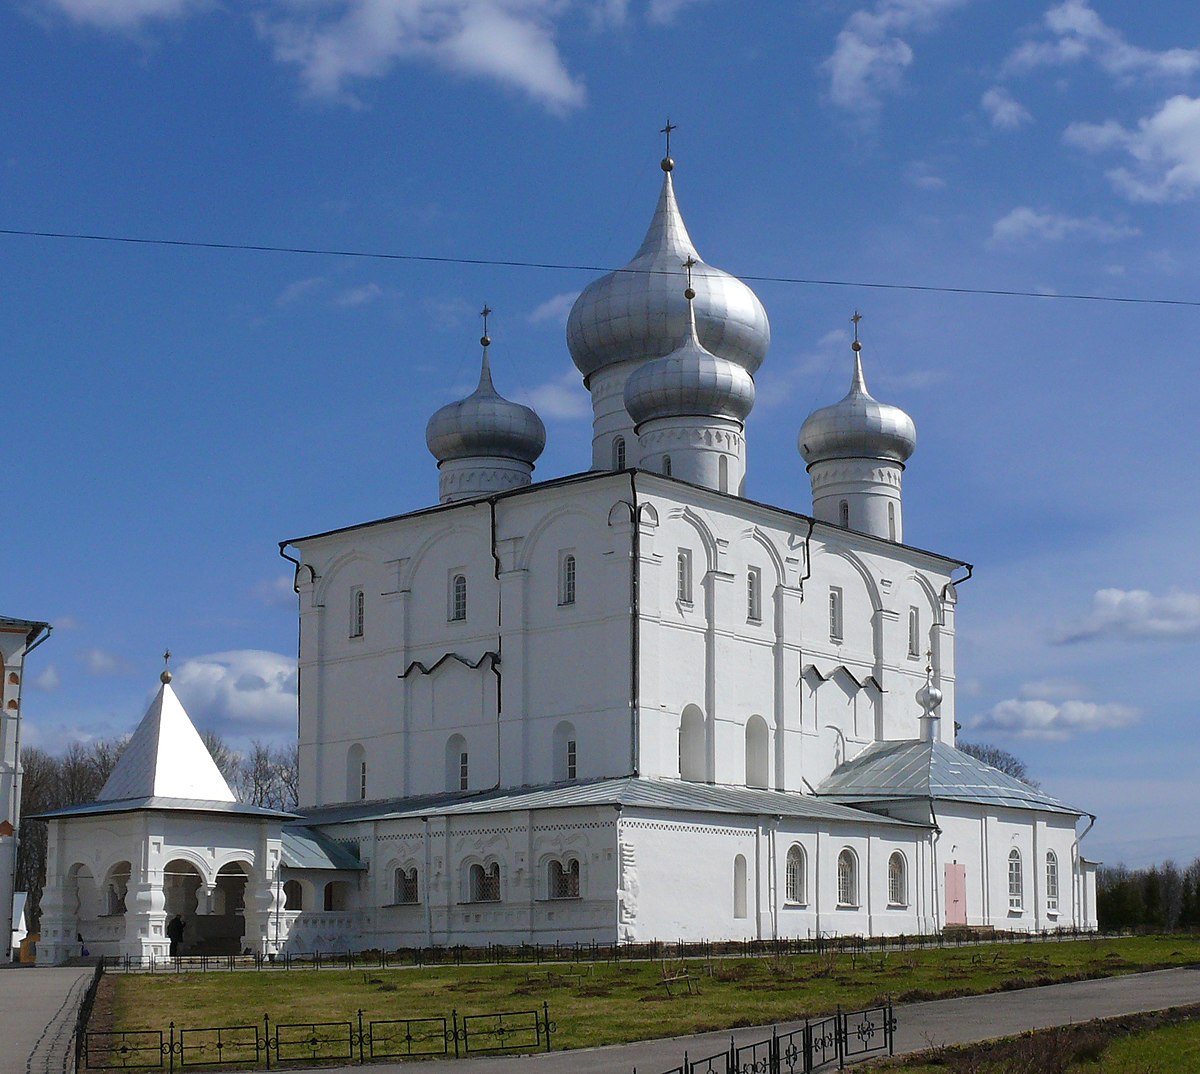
166, 758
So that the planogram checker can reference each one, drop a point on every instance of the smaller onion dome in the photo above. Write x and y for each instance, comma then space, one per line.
690, 381
485, 425
859, 427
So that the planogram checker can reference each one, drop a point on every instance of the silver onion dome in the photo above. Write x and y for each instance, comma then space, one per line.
859, 427
485, 425
689, 382
639, 312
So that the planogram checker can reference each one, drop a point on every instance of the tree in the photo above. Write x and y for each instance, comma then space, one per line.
998, 758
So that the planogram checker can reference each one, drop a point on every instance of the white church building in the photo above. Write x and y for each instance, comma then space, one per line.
627, 704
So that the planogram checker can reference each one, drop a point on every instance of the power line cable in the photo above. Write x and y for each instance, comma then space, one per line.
563, 267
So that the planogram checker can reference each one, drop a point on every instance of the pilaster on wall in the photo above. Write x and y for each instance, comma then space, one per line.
719, 684
789, 645
943, 662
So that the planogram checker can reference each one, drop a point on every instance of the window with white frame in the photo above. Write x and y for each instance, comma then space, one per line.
754, 595
572, 759
914, 632
1052, 881
458, 598
484, 884
797, 879
835, 613
847, 878
566, 579
562, 881
897, 880
683, 576
619, 453
1016, 881
463, 771
358, 612
362, 781
404, 886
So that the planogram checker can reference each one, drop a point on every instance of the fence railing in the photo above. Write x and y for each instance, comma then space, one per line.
273, 1044
652, 950
84, 1015
844, 1037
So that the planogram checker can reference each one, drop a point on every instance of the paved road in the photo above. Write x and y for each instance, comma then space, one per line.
37, 1013
919, 1025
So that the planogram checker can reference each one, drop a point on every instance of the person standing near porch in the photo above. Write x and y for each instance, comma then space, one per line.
175, 929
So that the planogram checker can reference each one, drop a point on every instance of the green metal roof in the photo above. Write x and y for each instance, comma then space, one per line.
623, 792
915, 769
181, 805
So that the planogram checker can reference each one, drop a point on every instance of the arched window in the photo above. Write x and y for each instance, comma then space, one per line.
835, 613
666, 465
485, 883
337, 896
847, 876
683, 576
563, 882
566, 579
797, 875
739, 886
1016, 881
358, 612
566, 752
457, 768
458, 598
844, 514
723, 474
692, 764
1051, 881
293, 895
758, 766
356, 774
914, 632
619, 453
891, 521
404, 886
754, 595
897, 880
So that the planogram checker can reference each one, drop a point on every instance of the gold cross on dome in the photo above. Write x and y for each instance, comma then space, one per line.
167, 658
690, 264
856, 318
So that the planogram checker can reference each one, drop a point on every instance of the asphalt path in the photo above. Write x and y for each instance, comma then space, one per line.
918, 1026
38, 1008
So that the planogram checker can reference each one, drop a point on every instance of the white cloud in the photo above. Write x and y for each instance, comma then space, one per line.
922, 176
359, 296
244, 693
297, 290
1078, 33
47, 678
1052, 689
555, 309
336, 42
124, 15
1003, 111
1025, 226
1137, 614
1165, 148
101, 662
562, 397
277, 593
1039, 718
664, 11
870, 57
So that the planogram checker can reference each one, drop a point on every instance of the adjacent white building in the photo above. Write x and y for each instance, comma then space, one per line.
630, 703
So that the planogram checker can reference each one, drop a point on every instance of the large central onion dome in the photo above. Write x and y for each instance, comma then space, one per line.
858, 427
485, 425
639, 312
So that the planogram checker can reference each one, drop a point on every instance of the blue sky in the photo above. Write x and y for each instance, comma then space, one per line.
170, 414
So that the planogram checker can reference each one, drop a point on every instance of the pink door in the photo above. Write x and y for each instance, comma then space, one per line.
956, 894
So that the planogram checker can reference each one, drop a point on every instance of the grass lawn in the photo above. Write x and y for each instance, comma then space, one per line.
1158, 1042
614, 1003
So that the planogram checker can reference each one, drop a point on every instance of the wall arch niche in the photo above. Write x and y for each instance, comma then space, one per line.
692, 753
356, 773
758, 753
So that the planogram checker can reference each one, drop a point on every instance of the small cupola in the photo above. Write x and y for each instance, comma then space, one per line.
484, 443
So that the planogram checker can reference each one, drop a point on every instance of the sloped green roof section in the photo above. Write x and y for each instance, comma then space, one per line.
305, 849
911, 768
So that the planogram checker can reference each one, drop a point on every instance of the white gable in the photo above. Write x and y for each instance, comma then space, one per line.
166, 758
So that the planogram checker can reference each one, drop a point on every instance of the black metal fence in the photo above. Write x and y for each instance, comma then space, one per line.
84, 1015
273, 1044
844, 1037
653, 950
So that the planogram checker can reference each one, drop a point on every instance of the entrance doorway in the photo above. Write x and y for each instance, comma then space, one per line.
956, 894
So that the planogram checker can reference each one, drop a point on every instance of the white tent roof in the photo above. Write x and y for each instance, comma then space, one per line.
166, 758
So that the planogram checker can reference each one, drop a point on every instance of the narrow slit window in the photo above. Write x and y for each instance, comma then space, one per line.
1052, 881
683, 576
891, 521
463, 771
844, 514
754, 595
566, 580
914, 632
572, 759
1016, 881
458, 598
358, 613
619, 453
666, 465
835, 614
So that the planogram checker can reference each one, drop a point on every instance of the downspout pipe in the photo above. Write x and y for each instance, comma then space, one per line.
635, 684
496, 664
807, 556
312, 577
